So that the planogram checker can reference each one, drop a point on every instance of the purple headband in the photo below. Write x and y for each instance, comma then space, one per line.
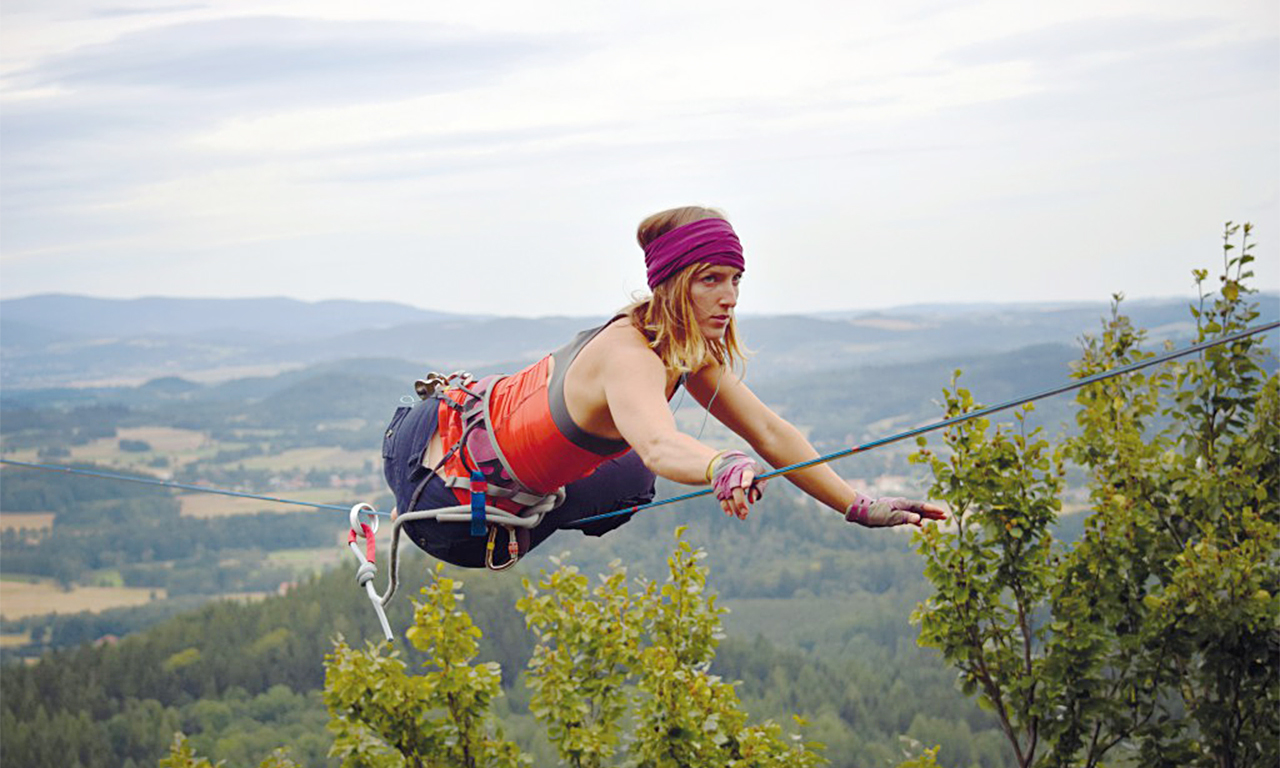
705, 241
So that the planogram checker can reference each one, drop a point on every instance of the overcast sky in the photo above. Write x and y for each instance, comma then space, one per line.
496, 156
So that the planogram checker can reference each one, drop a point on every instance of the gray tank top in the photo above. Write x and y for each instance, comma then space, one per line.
564, 357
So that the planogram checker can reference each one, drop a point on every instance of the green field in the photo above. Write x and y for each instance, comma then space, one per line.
24, 598
304, 459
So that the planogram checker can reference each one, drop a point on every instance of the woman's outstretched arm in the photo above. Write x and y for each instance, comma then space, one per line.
635, 383
781, 444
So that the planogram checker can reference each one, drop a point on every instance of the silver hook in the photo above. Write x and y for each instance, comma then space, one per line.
361, 513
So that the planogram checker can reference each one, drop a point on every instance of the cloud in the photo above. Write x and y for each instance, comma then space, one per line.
1058, 43
1152, 89
167, 140
291, 60
148, 10
89, 125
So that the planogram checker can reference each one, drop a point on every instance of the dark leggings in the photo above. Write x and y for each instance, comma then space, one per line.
617, 484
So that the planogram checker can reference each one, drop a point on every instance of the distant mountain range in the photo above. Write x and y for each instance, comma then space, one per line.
54, 341
279, 319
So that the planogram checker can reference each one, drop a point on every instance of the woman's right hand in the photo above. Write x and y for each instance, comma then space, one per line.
735, 477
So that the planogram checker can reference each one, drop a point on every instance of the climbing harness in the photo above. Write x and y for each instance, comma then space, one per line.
482, 516
485, 519
477, 464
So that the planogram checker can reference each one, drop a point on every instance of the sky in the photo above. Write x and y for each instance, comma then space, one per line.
496, 157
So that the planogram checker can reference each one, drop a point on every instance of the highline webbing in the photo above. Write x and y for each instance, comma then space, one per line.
1067, 387
1156, 360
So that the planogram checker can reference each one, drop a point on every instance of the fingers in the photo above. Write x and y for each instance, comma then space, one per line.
933, 512
743, 496
925, 510
736, 506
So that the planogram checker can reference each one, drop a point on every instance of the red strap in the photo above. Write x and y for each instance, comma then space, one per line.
370, 546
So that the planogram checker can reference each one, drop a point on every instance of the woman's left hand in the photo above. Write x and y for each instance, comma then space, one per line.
890, 511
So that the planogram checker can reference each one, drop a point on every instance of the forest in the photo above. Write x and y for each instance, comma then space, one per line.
849, 591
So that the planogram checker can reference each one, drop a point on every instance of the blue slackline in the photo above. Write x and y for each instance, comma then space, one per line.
955, 419
167, 484
1158, 359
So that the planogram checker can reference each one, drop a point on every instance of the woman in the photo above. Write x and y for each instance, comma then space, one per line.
593, 417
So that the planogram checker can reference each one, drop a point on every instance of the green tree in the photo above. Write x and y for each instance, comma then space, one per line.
181, 755
1190, 510
687, 716
383, 717
993, 570
596, 645
588, 641
605, 656
1156, 634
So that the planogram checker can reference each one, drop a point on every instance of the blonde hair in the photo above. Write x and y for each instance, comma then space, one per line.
667, 318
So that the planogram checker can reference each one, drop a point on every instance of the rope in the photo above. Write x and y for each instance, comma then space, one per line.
955, 419
167, 484
694, 494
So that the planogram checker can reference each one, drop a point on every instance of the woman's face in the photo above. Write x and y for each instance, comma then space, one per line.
714, 293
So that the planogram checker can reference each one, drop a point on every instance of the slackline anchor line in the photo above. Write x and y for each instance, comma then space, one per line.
169, 484
1157, 360
368, 510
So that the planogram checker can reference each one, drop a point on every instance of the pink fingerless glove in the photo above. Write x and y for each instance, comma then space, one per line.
727, 471
884, 512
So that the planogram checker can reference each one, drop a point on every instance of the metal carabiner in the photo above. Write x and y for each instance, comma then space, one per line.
513, 548
359, 514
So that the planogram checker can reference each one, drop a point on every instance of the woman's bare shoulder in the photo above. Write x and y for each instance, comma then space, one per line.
621, 342
621, 331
